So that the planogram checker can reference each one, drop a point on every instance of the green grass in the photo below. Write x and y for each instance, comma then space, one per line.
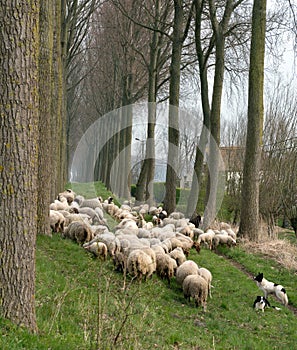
80, 299
81, 304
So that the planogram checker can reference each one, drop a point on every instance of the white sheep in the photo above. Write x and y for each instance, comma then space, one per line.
195, 286
69, 194
189, 267
91, 213
140, 265
99, 249
120, 261
206, 274
111, 241
78, 231
166, 266
59, 204
206, 238
178, 255
176, 215
57, 221
222, 239
231, 233
91, 203
127, 224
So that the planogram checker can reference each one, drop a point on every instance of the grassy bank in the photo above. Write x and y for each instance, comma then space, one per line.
81, 304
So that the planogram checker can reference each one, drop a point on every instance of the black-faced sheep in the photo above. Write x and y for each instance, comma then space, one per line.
189, 267
79, 232
195, 286
195, 219
99, 249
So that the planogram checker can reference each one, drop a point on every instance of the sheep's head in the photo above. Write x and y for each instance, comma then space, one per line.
197, 247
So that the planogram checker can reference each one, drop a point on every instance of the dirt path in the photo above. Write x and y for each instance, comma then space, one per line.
250, 275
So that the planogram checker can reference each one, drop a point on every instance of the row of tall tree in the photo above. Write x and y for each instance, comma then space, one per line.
68, 63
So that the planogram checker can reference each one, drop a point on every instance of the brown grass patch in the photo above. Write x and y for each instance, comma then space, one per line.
281, 250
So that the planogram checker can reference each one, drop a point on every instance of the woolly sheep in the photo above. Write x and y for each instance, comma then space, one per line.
178, 255
224, 240
57, 221
224, 226
187, 242
166, 266
127, 224
195, 286
99, 249
158, 249
140, 265
91, 213
189, 267
69, 194
111, 241
186, 231
206, 238
231, 233
79, 199
91, 203
176, 215
120, 261
78, 231
69, 218
206, 274
59, 204
197, 232
144, 233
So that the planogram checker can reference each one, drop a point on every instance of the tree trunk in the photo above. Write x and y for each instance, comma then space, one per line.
56, 102
173, 120
45, 83
204, 136
19, 160
145, 183
249, 221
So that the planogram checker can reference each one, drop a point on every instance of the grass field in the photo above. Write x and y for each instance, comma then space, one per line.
81, 304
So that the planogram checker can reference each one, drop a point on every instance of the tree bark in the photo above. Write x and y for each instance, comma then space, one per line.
19, 160
45, 83
249, 220
204, 135
174, 91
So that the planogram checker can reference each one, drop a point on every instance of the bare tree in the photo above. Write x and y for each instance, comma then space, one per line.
278, 170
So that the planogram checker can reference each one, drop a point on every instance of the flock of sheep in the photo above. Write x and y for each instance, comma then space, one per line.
137, 247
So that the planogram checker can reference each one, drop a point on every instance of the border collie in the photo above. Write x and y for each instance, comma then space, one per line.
261, 303
271, 288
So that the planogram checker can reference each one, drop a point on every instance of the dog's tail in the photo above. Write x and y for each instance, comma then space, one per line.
276, 308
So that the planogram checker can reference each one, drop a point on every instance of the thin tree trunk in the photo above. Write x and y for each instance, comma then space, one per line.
45, 83
173, 120
19, 159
